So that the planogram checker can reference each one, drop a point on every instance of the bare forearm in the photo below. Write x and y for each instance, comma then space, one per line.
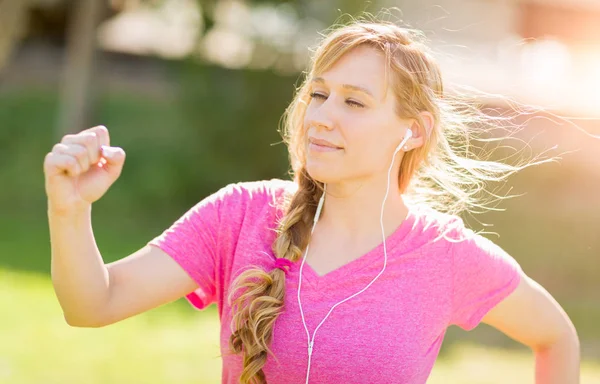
558, 363
79, 275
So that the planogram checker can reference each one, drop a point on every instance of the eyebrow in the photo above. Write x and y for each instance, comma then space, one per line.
351, 87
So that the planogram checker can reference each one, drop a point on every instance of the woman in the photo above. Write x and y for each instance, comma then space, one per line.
351, 272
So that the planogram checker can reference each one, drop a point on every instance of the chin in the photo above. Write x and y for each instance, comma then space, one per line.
323, 173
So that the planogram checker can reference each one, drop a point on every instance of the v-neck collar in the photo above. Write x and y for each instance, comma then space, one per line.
375, 255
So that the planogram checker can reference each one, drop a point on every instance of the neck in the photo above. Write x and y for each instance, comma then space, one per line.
352, 209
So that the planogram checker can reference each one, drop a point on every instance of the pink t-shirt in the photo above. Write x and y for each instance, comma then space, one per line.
391, 333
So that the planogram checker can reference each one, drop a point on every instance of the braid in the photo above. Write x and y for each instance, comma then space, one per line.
263, 293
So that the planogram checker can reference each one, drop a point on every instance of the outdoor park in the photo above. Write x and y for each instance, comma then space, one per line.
194, 90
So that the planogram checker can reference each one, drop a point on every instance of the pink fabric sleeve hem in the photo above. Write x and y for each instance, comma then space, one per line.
197, 298
502, 294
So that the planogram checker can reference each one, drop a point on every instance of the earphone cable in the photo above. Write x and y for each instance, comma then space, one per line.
311, 341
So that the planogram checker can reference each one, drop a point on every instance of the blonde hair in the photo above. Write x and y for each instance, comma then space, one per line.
442, 174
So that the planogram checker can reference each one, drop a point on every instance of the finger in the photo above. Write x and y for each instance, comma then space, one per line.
57, 163
89, 141
114, 156
101, 133
78, 152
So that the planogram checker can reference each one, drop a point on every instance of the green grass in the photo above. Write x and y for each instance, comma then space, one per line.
173, 344
161, 346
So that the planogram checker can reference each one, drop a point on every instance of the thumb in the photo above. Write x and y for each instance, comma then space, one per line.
115, 158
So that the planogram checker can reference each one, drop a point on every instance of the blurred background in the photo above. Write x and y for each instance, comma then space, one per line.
194, 90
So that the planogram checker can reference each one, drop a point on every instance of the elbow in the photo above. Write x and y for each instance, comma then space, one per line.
571, 342
562, 334
84, 322
96, 316
567, 341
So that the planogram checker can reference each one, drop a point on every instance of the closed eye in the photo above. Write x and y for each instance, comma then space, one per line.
316, 95
352, 103
355, 104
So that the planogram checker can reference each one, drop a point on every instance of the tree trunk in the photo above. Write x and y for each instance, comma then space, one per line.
13, 16
78, 82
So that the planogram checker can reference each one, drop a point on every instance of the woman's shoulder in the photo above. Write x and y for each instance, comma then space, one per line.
259, 189
439, 225
255, 195
455, 233
431, 218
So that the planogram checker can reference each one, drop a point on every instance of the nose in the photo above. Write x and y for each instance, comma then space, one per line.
320, 125
322, 115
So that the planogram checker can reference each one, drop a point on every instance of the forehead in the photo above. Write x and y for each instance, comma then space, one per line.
362, 67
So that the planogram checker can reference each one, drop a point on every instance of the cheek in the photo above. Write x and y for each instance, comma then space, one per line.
364, 136
369, 150
307, 116
365, 152
309, 112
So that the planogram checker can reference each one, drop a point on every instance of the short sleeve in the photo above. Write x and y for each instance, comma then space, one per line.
193, 242
483, 275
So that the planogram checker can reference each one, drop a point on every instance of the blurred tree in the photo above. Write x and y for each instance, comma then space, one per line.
78, 89
326, 11
78, 82
75, 24
13, 16
49, 19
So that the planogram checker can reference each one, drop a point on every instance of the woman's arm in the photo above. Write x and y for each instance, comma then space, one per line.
93, 294
531, 316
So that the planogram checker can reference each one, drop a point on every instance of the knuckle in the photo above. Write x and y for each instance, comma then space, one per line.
60, 162
91, 143
78, 154
71, 163
103, 135
67, 138
58, 147
49, 160
89, 137
79, 150
102, 130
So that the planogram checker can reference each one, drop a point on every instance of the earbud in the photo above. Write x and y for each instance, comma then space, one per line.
407, 136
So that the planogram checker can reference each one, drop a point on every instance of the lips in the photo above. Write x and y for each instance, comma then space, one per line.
323, 143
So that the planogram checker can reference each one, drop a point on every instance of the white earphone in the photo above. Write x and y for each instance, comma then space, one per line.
311, 340
407, 137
